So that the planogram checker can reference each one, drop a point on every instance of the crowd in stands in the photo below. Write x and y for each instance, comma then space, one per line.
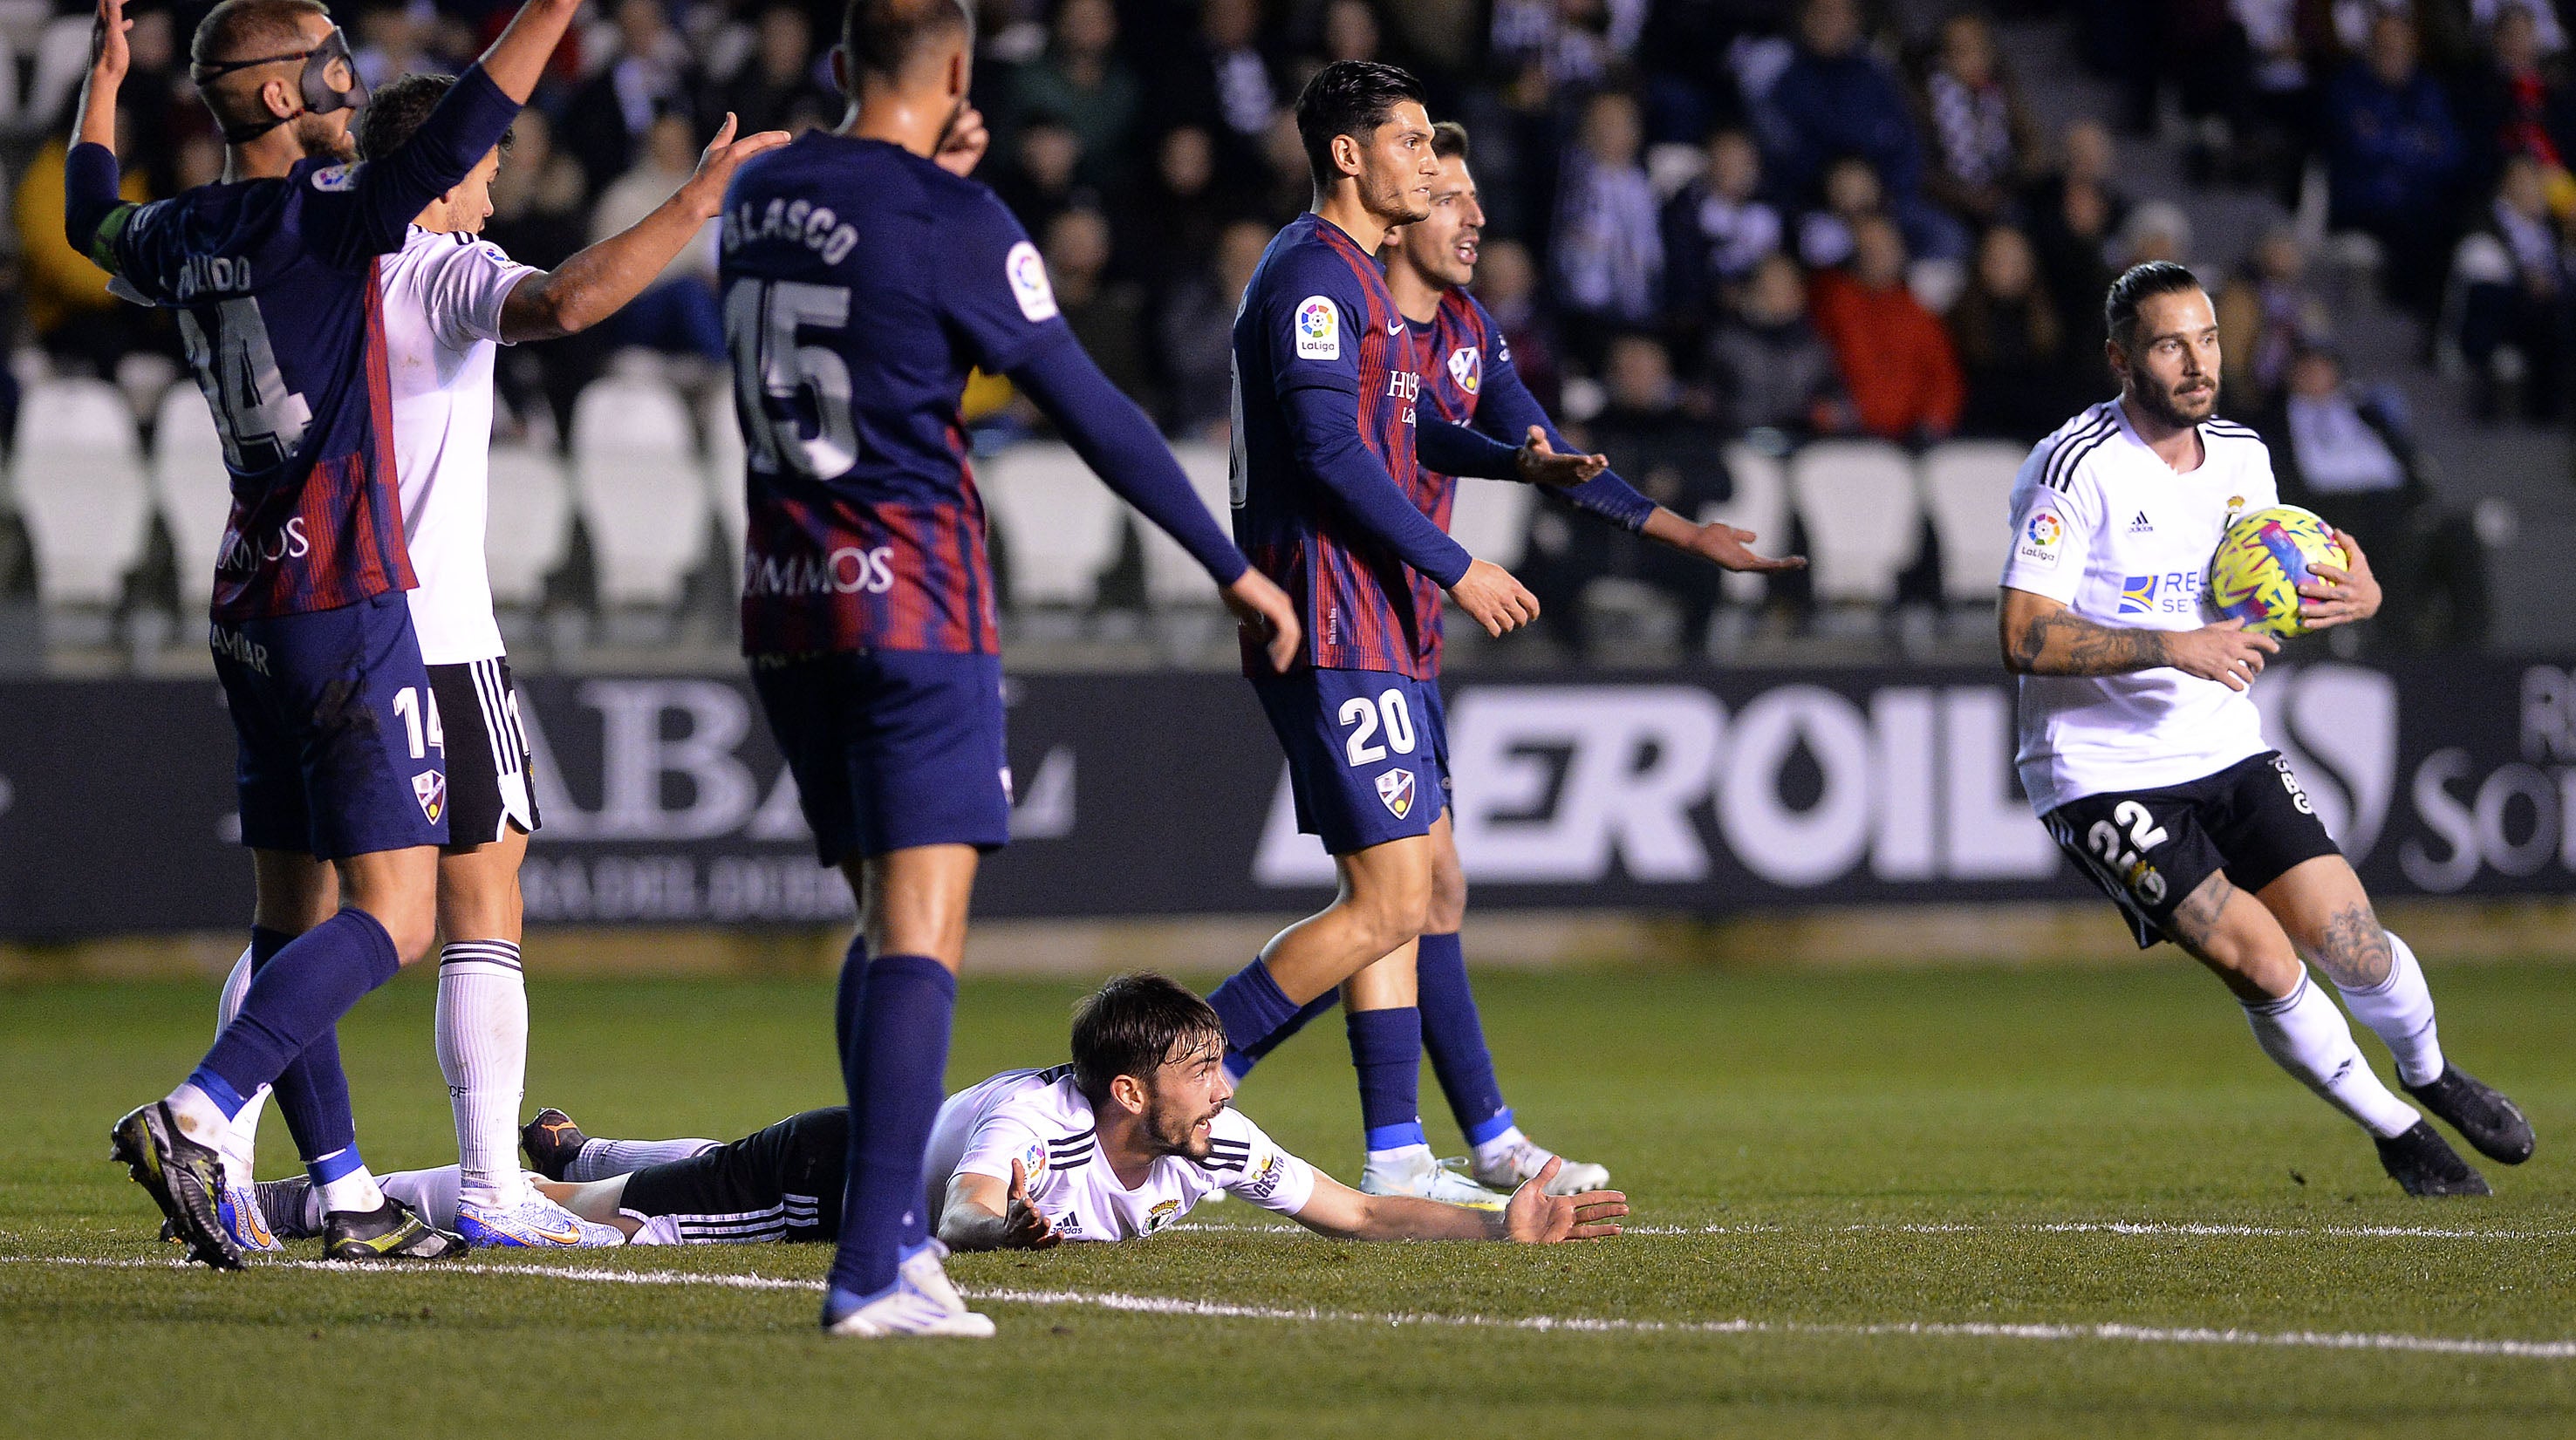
1706, 217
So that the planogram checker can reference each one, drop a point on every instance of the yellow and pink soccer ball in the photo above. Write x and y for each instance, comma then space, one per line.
2262, 561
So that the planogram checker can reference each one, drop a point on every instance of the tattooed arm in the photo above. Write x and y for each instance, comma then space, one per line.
2042, 637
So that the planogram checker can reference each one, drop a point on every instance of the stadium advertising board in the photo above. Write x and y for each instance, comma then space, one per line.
1701, 791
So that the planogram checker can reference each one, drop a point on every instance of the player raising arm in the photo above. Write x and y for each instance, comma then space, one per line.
2143, 753
272, 274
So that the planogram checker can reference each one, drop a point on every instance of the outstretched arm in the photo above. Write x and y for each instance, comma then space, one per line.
1533, 1217
2042, 636
89, 171
599, 281
986, 1214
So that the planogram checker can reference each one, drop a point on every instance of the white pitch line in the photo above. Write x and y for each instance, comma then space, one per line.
2148, 1228
1546, 1324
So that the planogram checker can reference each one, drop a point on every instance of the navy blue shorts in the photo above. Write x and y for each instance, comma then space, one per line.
891, 749
1368, 753
341, 749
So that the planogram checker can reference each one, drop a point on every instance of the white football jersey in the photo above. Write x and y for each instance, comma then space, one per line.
442, 316
1041, 1119
2103, 525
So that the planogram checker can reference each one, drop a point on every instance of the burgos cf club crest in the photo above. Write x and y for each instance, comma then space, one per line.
1163, 1213
1395, 790
1467, 367
429, 787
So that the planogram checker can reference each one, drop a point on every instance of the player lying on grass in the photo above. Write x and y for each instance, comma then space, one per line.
2142, 751
1117, 1145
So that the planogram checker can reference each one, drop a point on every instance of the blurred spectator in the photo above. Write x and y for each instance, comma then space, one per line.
780, 84
1351, 32
1983, 139
1716, 230
1565, 45
2348, 456
1081, 82
2264, 313
677, 314
1770, 367
2156, 230
1196, 332
605, 123
65, 296
393, 42
1107, 316
2074, 214
1608, 256
2023, 378
1039, 183
1852, 194
2394, 160
2508, 308
1835, 99
1179, 214
539, 218
1895, 358
1225, 85
2517, 102
1507, 283
2277, 116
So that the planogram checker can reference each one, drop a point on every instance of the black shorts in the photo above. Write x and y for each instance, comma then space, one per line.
781, 1183
487, 752
2148, 849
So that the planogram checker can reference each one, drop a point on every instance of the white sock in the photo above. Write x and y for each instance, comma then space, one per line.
483, 1048
198, 1116
432, 1193
2306, 1035
353, 1193
242, 1144
2399, 1010
1495, 1149
608, 1159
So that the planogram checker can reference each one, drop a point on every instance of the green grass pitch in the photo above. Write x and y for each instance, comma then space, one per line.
1967, 1202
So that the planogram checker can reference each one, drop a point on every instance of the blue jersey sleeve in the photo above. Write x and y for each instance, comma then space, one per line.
365, 210
993, 286
1506, 409
1313, 313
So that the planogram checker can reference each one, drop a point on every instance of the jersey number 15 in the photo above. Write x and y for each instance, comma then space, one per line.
773, 373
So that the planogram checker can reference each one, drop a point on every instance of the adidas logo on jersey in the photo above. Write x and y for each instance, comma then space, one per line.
2141, 526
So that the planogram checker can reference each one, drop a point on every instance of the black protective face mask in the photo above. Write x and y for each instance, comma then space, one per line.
320, 97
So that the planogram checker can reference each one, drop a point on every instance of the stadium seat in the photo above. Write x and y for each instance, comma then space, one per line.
1059, 523
1760, 504
1967, 488
82, 491
1171, 576
191, 486
725, 474
638, 486
529, 527
1492, 519
1864, 522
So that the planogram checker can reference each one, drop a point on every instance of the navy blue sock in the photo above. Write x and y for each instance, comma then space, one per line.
312, 1091
1253, 1008
1386, 1048
1239, 1063
845, 1005
1454, 1034
296, 998
898, 1015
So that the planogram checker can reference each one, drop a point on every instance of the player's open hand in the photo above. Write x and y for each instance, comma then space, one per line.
1728, 548
2226, 652
1534, 1217
1539, 464
963, 147
2339, 594
1024, 1226
716, 164
1264, 609
108, 56
1493, 599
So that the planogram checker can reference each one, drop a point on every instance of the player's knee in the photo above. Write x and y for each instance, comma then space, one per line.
1448, 908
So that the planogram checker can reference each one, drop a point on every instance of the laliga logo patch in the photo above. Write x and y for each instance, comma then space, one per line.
2040, 538
430, 788
1318, 329
1033, 1163
1467, 368
1029, 282
1395, 791
331, 179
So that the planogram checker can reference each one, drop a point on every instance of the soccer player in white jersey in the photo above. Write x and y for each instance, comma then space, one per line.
1117, 1145
2142, 751
447, 300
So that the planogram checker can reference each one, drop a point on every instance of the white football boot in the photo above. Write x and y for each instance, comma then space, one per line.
922, 1302
535, 1223
1520, 1162
1413, 1171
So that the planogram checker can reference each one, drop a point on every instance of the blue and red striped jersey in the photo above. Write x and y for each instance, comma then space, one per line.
861, 284
1317, 313
275, 287
1459, 345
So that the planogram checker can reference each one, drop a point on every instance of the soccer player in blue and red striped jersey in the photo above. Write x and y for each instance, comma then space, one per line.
1327, 388
272, 273
1468, 379
863, 277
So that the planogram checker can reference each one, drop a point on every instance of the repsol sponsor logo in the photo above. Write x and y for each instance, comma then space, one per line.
800, 222
240, 649
848, 570
244, 553
213, 275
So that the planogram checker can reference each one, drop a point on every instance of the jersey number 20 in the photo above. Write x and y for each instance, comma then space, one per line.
262, 421
772, 372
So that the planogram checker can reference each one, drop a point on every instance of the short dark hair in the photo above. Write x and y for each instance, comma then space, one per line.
1349, 97
1133, 1025
245, 29
2137, 285
882, 36
1449, 140
396, 109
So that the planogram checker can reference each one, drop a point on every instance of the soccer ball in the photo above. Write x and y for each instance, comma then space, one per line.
2260, 564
